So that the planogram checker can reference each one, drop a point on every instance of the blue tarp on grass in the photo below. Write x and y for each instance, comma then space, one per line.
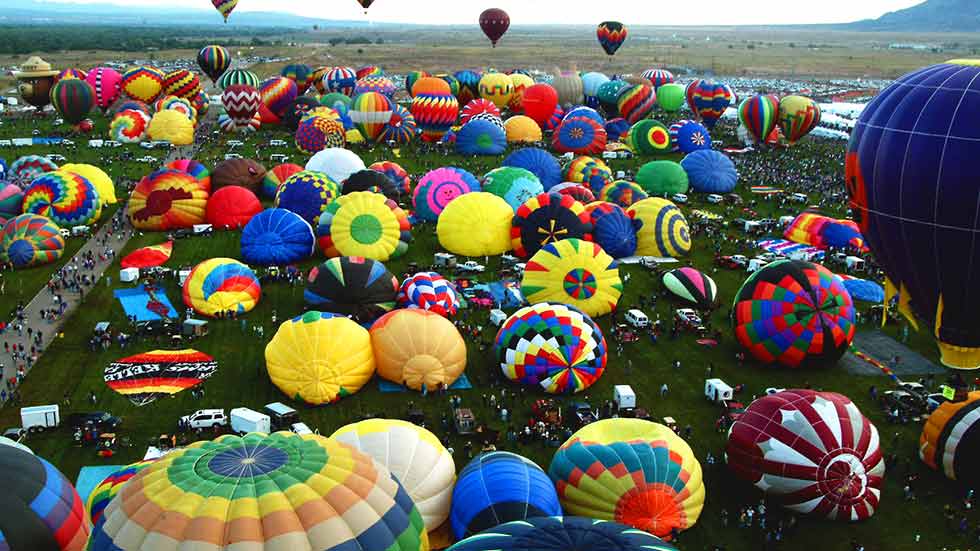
387, 386
137, 303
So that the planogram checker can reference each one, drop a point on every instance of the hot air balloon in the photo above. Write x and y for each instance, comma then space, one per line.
299, 109
494, 22
370, 112
352, 285
107, 84
670, 97
373, 181
522, 129
143, 83
658, 77
476, 107
481, 137
591, 172
794, 313
519, 82
29, 240
149, 256
181, 83
97, 177
622, 192
167, 199
552, 346
341, 79
43, 510
365, 4
276, 237
708, 100
221, 286
759, 115
570, 88
475, 224
234, 473
241, 102
428, 291
277, 94
547, 218
688, 136
710, 171
364, 224
512, 184
574, 272
129, 126
539, 162
28, 167
380, 84
562, 534
540, 101
224, 7
693, 286
317, 132
104, 491
419, 349
214, 61
824, 232
797, 117
301, 74
579, 135
67, 198
438, 187
949, 439
320, 358
195, 169
611, 35
401, 128
336, 162
497, 88
307, 193
813, 452
11, 198
612, 229
142, 378
649, 137
171, 126
238, 76
74, 99
231, 207
246, 173
500, 487
275, 177
428, 475
395, 173
434, 113
662, 231
631, 471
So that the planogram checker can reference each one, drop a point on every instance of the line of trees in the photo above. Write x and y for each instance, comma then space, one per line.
21, 39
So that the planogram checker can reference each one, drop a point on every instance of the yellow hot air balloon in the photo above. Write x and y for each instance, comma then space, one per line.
522, 129
647, 476
476, 224
519, 82
171, 126
416, 458
575, 272
102, 182
418, 348
496, 87
663, 231
320, 358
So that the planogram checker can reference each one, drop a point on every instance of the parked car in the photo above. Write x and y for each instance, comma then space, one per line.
679, 198
935, 400
205, 419
581, 414
637, 319
687, 318
17, 434
103, 420
714, 198
905, 402
733, 262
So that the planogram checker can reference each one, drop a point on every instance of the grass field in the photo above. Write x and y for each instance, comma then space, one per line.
71, 367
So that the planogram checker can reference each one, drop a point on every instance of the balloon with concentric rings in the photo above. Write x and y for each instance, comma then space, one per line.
315, 493
575, 272
67, 198
364, 224
663, 230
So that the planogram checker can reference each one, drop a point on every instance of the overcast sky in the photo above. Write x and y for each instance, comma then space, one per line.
637, 12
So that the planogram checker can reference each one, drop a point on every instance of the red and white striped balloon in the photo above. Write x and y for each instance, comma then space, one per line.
241, 103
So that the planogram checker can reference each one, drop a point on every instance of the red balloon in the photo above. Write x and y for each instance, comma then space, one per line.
494, 23
540, 101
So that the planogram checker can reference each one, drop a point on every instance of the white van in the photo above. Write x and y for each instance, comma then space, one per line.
637, 319
756, 264
716, 390
798, 198
679, 198
244, 420
714, 198
276, 143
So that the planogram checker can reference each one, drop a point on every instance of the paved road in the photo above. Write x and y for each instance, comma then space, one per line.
45, 300
883, 348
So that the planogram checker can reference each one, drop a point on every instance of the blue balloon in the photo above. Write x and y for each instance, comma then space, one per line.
563, 534
688, 136
500, 487
864, 290
590, 84
3, 169
614, 230
276, 237
617, 128
540, 162
587, 112
710, 171
481, 137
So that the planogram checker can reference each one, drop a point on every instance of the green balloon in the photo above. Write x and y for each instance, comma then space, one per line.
659, 178
337, 101
671, 97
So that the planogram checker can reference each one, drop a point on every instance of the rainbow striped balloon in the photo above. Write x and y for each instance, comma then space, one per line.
370, 112
107, 489
264, 492
30, 240
221, 285
65, 197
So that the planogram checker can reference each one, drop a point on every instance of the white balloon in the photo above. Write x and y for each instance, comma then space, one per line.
336, 162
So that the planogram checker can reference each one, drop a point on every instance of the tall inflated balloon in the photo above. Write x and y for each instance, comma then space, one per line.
709, 100
73, 98
494, 23
611, 35
814, 452
167, 200
143, 83
631, 471
539, 102
912, 186
759, 115
107, 84
214, 61
797, 117
241, 102
370, 112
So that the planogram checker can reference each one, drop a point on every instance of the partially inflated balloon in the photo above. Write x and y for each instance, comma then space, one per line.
418, 348
143, 83
496, 87
107, 84
575, 272
797, 117
370, 112
539, 102
475, 224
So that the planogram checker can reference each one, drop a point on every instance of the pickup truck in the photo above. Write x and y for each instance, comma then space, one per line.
471, 266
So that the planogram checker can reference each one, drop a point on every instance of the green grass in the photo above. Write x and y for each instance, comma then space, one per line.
70, 367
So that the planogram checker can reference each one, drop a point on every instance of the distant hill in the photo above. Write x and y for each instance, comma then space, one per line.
19, 12
929, 16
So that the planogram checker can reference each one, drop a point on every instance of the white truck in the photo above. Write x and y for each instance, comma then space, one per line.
471, 266
39, 418
244, 420
717, 391
624, 397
